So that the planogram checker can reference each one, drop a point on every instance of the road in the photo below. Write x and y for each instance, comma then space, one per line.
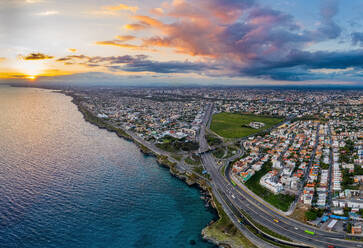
262, 213
203, 144
330, 175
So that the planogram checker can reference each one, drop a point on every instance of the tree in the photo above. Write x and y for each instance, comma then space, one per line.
311, 215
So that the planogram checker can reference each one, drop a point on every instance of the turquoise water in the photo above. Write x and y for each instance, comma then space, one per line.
66, 183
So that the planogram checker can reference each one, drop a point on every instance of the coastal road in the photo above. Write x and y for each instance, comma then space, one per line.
203, 144
264, 215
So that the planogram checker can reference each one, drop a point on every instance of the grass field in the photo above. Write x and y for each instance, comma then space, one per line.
232, 125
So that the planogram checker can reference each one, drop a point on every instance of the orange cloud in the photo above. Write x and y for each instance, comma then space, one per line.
123, 38
157, 11
119, 44
2, 59
146, 20
136, 26
121, 7
73, 50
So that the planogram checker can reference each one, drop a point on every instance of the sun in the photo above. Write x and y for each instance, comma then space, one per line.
30, 68
31, 77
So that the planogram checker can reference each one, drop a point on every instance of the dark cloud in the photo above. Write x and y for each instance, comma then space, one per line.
298, 65
357, 38
329, 28
71, 57
138, 63
37, 56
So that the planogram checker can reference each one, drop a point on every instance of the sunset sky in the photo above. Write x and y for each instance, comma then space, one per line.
239, 42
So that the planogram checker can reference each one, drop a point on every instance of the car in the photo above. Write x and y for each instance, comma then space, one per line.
233, 196
296, 228
277, 221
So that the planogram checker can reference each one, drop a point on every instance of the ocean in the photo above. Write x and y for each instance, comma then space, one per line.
66, 183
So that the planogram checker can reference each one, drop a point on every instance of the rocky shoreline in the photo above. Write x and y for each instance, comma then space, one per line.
190, 179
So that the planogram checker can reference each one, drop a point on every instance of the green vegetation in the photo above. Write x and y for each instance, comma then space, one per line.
233, 125
194, 160
280, 201
349, 227
313, 213
198, 169
348, 180
225, 232
222, 170
171, 144
231, 150
163, 160
213, 140
346, 152
324, 166
144, 149
219, 152
177, 157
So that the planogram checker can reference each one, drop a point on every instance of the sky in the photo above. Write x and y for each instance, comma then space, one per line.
208, 42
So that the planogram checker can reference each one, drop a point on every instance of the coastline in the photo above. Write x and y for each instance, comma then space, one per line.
191, 179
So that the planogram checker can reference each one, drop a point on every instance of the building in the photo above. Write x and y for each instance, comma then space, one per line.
270, 182
357, 229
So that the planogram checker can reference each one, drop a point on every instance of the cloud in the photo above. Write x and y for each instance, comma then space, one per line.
329, 28
144, 23
48, 13
357, 38
297, 65
114, 10
120, 40
34, 1
329, 71
72, 50
247, 39
125, 37
212, 29
2, 59
136, 26
138, 63
118, 43
149, 21
37, 56
157, 11
121, 7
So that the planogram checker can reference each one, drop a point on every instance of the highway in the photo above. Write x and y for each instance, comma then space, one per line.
259, 211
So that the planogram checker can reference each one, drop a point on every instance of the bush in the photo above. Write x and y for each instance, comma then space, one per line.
213, 140
311, 215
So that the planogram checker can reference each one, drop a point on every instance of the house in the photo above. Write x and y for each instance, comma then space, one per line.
357, 229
